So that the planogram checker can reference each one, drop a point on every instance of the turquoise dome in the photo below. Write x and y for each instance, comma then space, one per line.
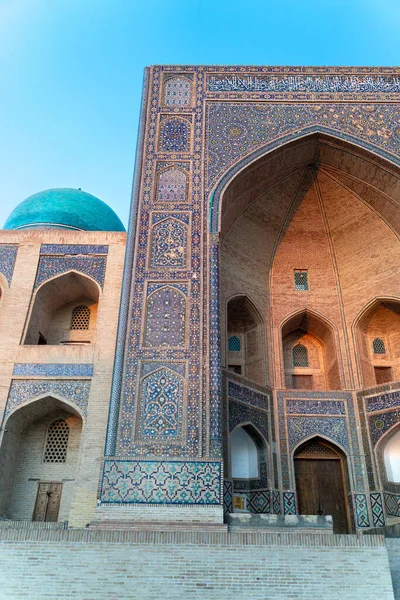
64, 208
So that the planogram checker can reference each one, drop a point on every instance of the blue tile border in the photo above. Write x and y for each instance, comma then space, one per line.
53, 370
72, 249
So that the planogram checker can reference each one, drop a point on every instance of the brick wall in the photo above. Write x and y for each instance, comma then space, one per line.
170, 565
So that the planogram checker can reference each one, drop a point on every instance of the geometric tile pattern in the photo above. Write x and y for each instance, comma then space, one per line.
236, 129
74, 390
247, 395
228, 496
169, 244
380, 423
392, 504
177, 91
383, 401
378, 514
53, 370
334, 428
172, 185
63, 249
50, 266
315, 407
167, 482
161, 400
361, 510
289, 503
239, 413
175, 135
165, 318
8, 254
259, 502
276, 502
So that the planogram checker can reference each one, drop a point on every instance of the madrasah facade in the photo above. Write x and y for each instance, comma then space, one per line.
238, 351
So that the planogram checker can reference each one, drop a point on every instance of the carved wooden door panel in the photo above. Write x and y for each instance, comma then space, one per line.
320, 490
47, 501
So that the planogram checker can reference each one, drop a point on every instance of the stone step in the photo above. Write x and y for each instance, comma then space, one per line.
156, 526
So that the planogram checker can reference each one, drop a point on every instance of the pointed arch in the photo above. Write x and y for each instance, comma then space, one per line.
165, 318
177, 90
172, 185
310, 330
161, 404
50, 313
175, 134
378, 320
169, 244
363, 149
24, 463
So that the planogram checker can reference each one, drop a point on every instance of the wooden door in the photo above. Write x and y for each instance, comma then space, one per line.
47, 501
320, 486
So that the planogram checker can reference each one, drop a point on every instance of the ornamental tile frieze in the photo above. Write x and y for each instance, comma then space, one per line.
234, 130
8, 255
165, 324
51, 266
153, 482
74, 391
169, 241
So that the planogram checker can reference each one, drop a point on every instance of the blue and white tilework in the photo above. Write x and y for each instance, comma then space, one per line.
161, 405
165, 318
228, 496
300, 428
53, 370
169, 243
167, 482
259, 501
378, 514
172, 183
289, 503
25, 390
276, 502
174, 135
51, 266
240, 413
72, 249
383, 401
315, 407
177, 91
8, 255
247, 395
361, 510
381, 422
392, 504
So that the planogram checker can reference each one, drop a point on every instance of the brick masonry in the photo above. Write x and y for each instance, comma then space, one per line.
212, 566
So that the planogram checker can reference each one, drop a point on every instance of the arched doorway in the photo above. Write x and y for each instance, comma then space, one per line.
321, 485
39, 457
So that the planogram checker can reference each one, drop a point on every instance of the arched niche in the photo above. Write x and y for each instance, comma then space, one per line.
322, 484
51, 318
378, 340
26, 468
309, 353
391, 456
244, 343
244, 455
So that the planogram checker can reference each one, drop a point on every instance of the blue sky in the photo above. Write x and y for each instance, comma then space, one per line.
71, 73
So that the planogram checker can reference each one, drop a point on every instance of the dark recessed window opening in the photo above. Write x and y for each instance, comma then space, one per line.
301, 280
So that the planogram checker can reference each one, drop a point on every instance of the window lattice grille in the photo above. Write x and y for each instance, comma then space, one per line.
379, 346
234, 344
56, 442
80, 317
300, 356
301, 281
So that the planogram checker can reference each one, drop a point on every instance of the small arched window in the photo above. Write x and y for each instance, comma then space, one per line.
55, 450
300, 356
234, 343
80, 317
378, 346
